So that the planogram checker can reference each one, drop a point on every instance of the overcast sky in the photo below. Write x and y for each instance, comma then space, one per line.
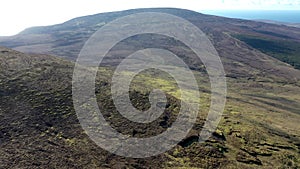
16, 15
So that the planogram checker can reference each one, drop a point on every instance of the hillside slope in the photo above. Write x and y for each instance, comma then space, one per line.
259, 128
39, 128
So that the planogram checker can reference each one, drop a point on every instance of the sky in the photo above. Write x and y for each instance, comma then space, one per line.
16, 15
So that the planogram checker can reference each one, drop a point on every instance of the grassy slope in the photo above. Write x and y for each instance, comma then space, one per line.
38, 126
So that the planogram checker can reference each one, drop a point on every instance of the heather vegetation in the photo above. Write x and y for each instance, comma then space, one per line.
259, 127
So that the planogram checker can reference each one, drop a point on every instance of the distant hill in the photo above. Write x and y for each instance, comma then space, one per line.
66, 39
281, 23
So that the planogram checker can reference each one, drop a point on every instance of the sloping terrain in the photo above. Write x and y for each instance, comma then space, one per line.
259, 128
39, 128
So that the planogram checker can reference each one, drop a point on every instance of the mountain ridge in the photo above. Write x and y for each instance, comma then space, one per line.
66, 39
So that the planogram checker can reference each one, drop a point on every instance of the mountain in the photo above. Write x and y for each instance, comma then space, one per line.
260, 124
66, 39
